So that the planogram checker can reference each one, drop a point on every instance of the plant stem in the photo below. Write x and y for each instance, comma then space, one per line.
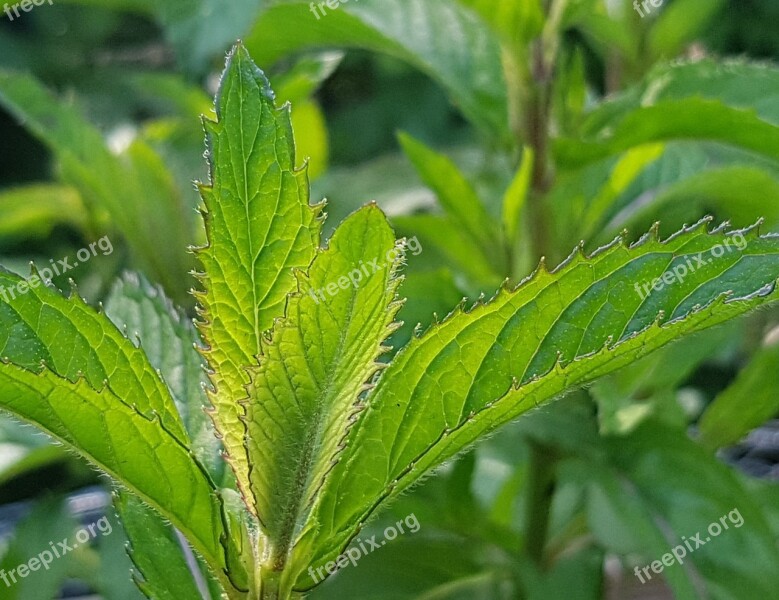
541, 487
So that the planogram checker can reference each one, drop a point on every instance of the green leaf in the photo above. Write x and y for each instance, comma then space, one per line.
323, 355
748, 402
32, 211
673, 486
99, 394
135, 450
135, 189
692, 118
171, 344
557, 331
150, 538
457, 197
36, 319
202, 29
516, 21
439, 37
441, 233
516, 195
681, 23
739, 193
48, 521
260, 227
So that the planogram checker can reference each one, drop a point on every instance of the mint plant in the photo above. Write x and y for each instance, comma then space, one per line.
320, 430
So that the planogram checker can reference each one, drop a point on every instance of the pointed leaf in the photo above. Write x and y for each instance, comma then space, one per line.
691, 118
747, 403
307, 390
457, 197
481, 369
260, 227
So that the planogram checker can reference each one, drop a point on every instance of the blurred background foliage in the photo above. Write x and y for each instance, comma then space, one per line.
496, 131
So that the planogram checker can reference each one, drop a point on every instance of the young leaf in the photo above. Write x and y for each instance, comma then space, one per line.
260, 227
99, 394
36, 321
323, 354
135, 450
481, 369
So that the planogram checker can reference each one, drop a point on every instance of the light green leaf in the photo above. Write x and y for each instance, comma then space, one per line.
36, 323
134, 188
692, 118
516, 195
135, 450
260, 227
748, 402
457, 197
441, 38
441, 233
323, 355
557, 331
32, 211
516, 21
69, 371
680, 23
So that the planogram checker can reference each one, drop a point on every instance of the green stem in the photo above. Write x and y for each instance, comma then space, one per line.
541, 487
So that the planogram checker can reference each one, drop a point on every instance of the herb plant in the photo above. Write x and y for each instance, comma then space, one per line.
319, 428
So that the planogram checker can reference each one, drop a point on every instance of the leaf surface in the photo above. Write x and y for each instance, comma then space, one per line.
480, 369
260, 227
323, 354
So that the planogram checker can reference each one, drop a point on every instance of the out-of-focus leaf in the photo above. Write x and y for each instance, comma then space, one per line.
692, 118
516, 21
747, 403
442, 38
48, 523
671, 490
32, 211
135, 188
680, 23
458, 198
